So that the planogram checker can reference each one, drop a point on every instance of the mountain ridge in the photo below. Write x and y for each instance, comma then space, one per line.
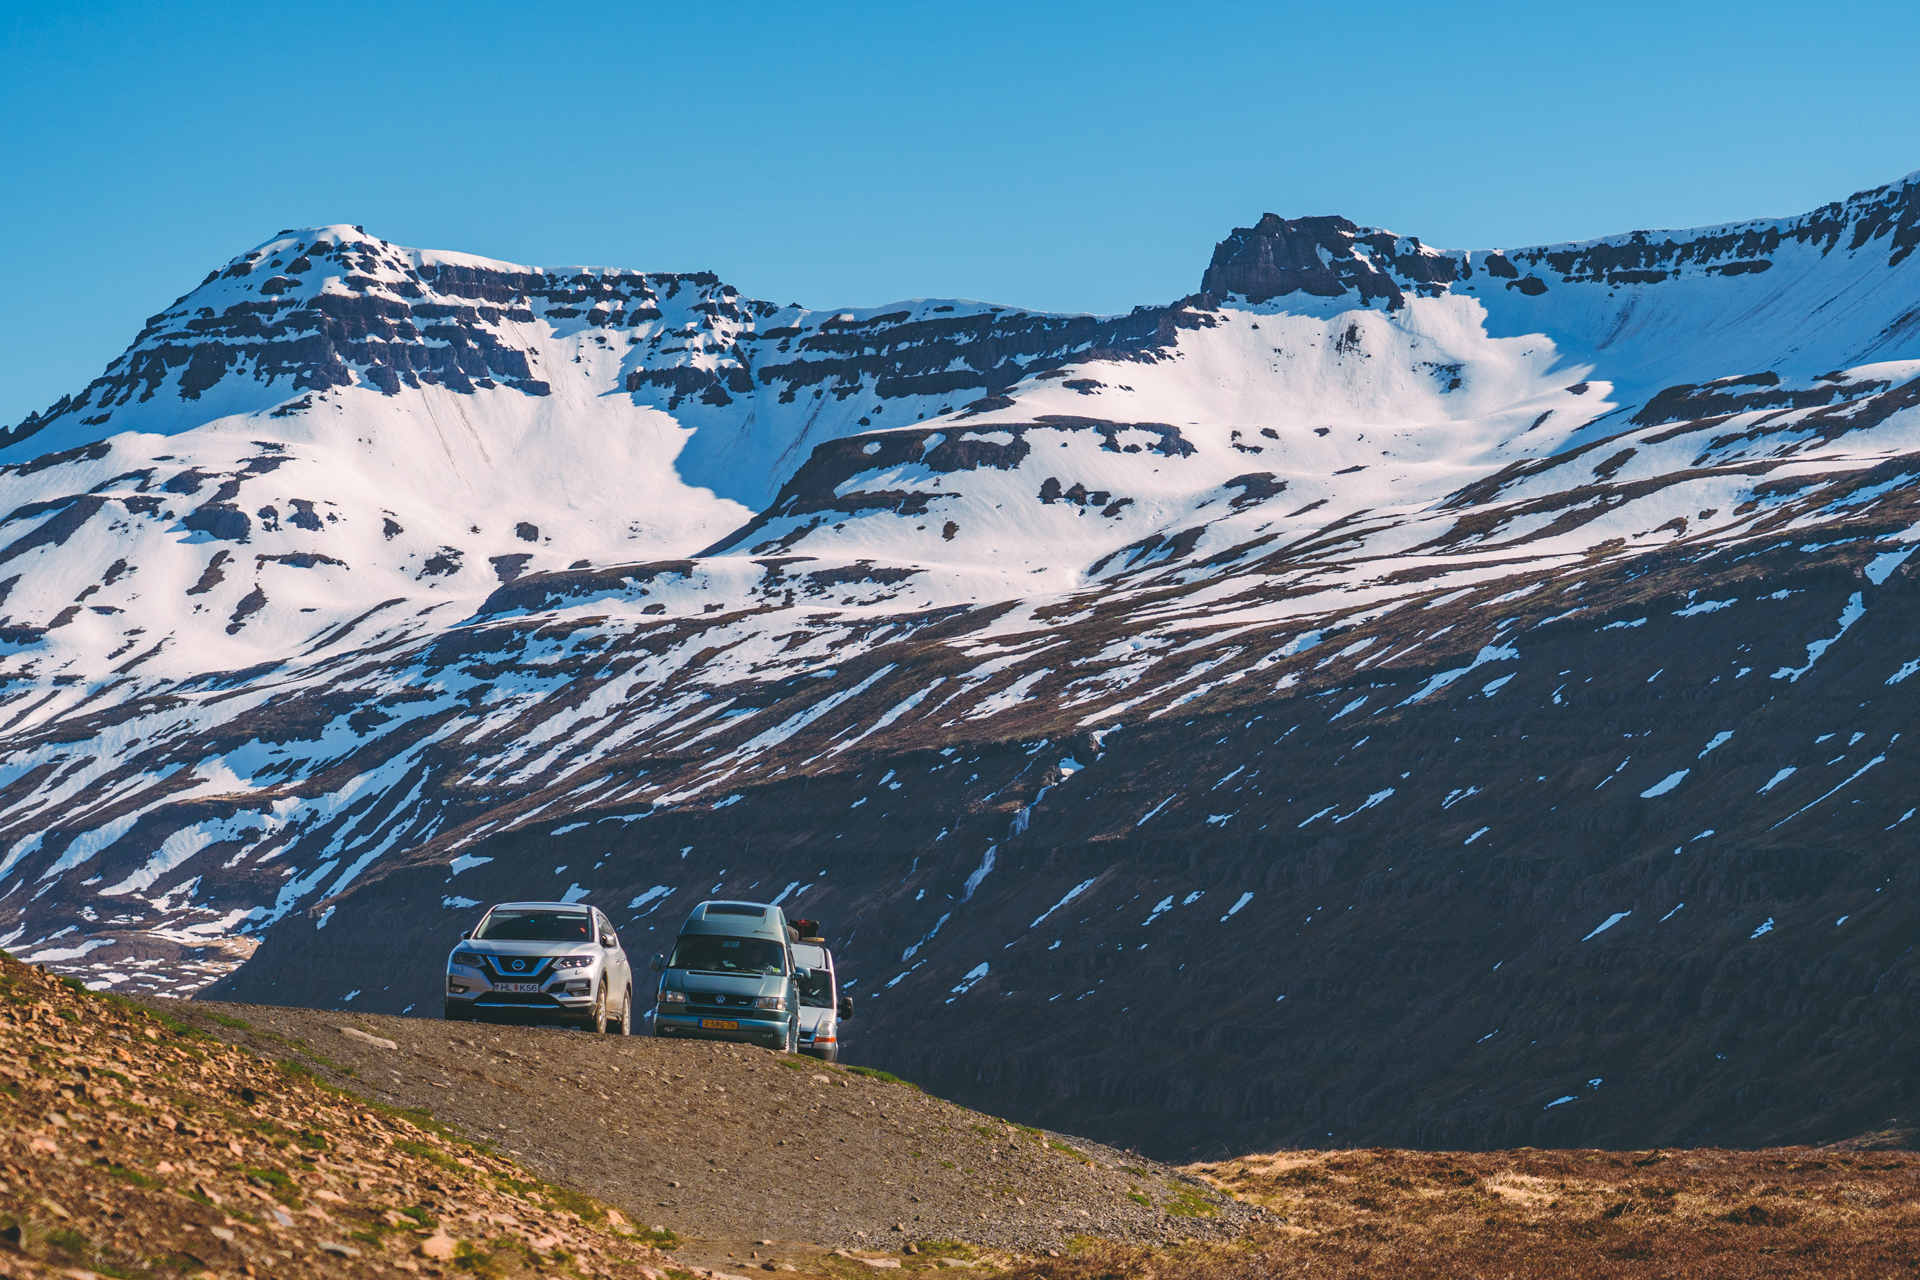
305, 674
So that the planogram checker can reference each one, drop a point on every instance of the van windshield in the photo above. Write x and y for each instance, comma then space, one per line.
816, 991
534, 926
720, 954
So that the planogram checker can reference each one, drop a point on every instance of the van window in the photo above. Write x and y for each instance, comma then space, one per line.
719, 954
816, 990
534, 926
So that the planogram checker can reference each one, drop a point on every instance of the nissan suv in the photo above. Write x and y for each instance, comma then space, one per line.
542, 962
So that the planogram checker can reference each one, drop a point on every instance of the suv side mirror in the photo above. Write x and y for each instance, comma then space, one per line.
608, 941
465, 934
846, 1006
658, 964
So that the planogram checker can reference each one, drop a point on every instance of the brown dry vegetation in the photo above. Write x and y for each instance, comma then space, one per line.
1683, 1214
132, 1146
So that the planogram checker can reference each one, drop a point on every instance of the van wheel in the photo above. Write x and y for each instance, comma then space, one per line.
600, 1011
626, 1014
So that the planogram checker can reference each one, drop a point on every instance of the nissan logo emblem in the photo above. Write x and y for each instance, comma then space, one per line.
519, 966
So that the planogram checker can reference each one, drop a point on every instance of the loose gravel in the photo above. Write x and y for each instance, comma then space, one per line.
731, 1143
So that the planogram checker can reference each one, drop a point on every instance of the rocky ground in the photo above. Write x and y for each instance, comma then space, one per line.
221, 1140
1674, 1213
730, 1145
135, 1146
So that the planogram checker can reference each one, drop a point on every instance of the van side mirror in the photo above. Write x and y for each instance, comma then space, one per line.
658, 964
846, 1006
800, 974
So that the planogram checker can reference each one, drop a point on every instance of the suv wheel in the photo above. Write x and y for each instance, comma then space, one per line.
599, 1020
626, 1014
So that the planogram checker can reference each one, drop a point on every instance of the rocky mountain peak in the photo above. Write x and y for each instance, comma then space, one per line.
1325, 257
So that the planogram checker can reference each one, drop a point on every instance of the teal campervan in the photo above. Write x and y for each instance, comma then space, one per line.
731, 976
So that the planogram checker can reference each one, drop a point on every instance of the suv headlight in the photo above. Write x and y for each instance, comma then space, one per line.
777, 1003
573, 962
466, 958
673, 997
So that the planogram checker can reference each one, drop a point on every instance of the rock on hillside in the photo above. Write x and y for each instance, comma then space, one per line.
1427, 697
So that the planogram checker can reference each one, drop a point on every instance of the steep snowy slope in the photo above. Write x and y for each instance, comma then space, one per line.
362, 592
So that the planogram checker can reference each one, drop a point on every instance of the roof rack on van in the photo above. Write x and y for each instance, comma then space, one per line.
808, 927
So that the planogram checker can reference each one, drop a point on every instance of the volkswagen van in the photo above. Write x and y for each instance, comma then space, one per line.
731, 976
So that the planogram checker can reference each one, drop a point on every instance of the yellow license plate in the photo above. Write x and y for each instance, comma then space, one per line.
719, 1024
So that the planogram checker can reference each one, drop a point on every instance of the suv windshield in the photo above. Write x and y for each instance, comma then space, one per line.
719, 954
815, 990
535, 926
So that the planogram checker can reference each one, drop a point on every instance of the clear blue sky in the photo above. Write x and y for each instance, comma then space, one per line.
1056, 156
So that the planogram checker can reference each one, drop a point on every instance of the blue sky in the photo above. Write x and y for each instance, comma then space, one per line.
1055, 156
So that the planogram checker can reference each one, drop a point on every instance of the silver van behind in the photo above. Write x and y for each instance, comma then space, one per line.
823, 1009
730, 976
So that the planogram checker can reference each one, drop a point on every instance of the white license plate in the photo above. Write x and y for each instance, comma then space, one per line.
517, 988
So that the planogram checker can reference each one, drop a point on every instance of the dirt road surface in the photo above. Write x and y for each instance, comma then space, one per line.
730, 1145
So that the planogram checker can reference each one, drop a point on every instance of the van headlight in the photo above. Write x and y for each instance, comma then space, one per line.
776, 1003
573, 962
673, 997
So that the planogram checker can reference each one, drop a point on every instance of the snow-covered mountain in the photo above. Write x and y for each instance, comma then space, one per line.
372, 583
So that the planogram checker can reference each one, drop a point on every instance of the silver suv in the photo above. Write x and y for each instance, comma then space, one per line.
542, 961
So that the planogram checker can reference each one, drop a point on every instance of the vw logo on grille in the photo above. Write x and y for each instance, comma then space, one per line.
719, 999
519, 966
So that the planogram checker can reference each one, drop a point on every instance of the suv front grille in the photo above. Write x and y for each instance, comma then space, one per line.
501, 968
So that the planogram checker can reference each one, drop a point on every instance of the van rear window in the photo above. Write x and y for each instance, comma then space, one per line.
735, 909
718, 954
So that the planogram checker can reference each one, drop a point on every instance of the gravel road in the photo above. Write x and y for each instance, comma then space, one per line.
731, 1145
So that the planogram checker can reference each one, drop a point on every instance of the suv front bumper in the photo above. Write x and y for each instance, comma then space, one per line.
570, 997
